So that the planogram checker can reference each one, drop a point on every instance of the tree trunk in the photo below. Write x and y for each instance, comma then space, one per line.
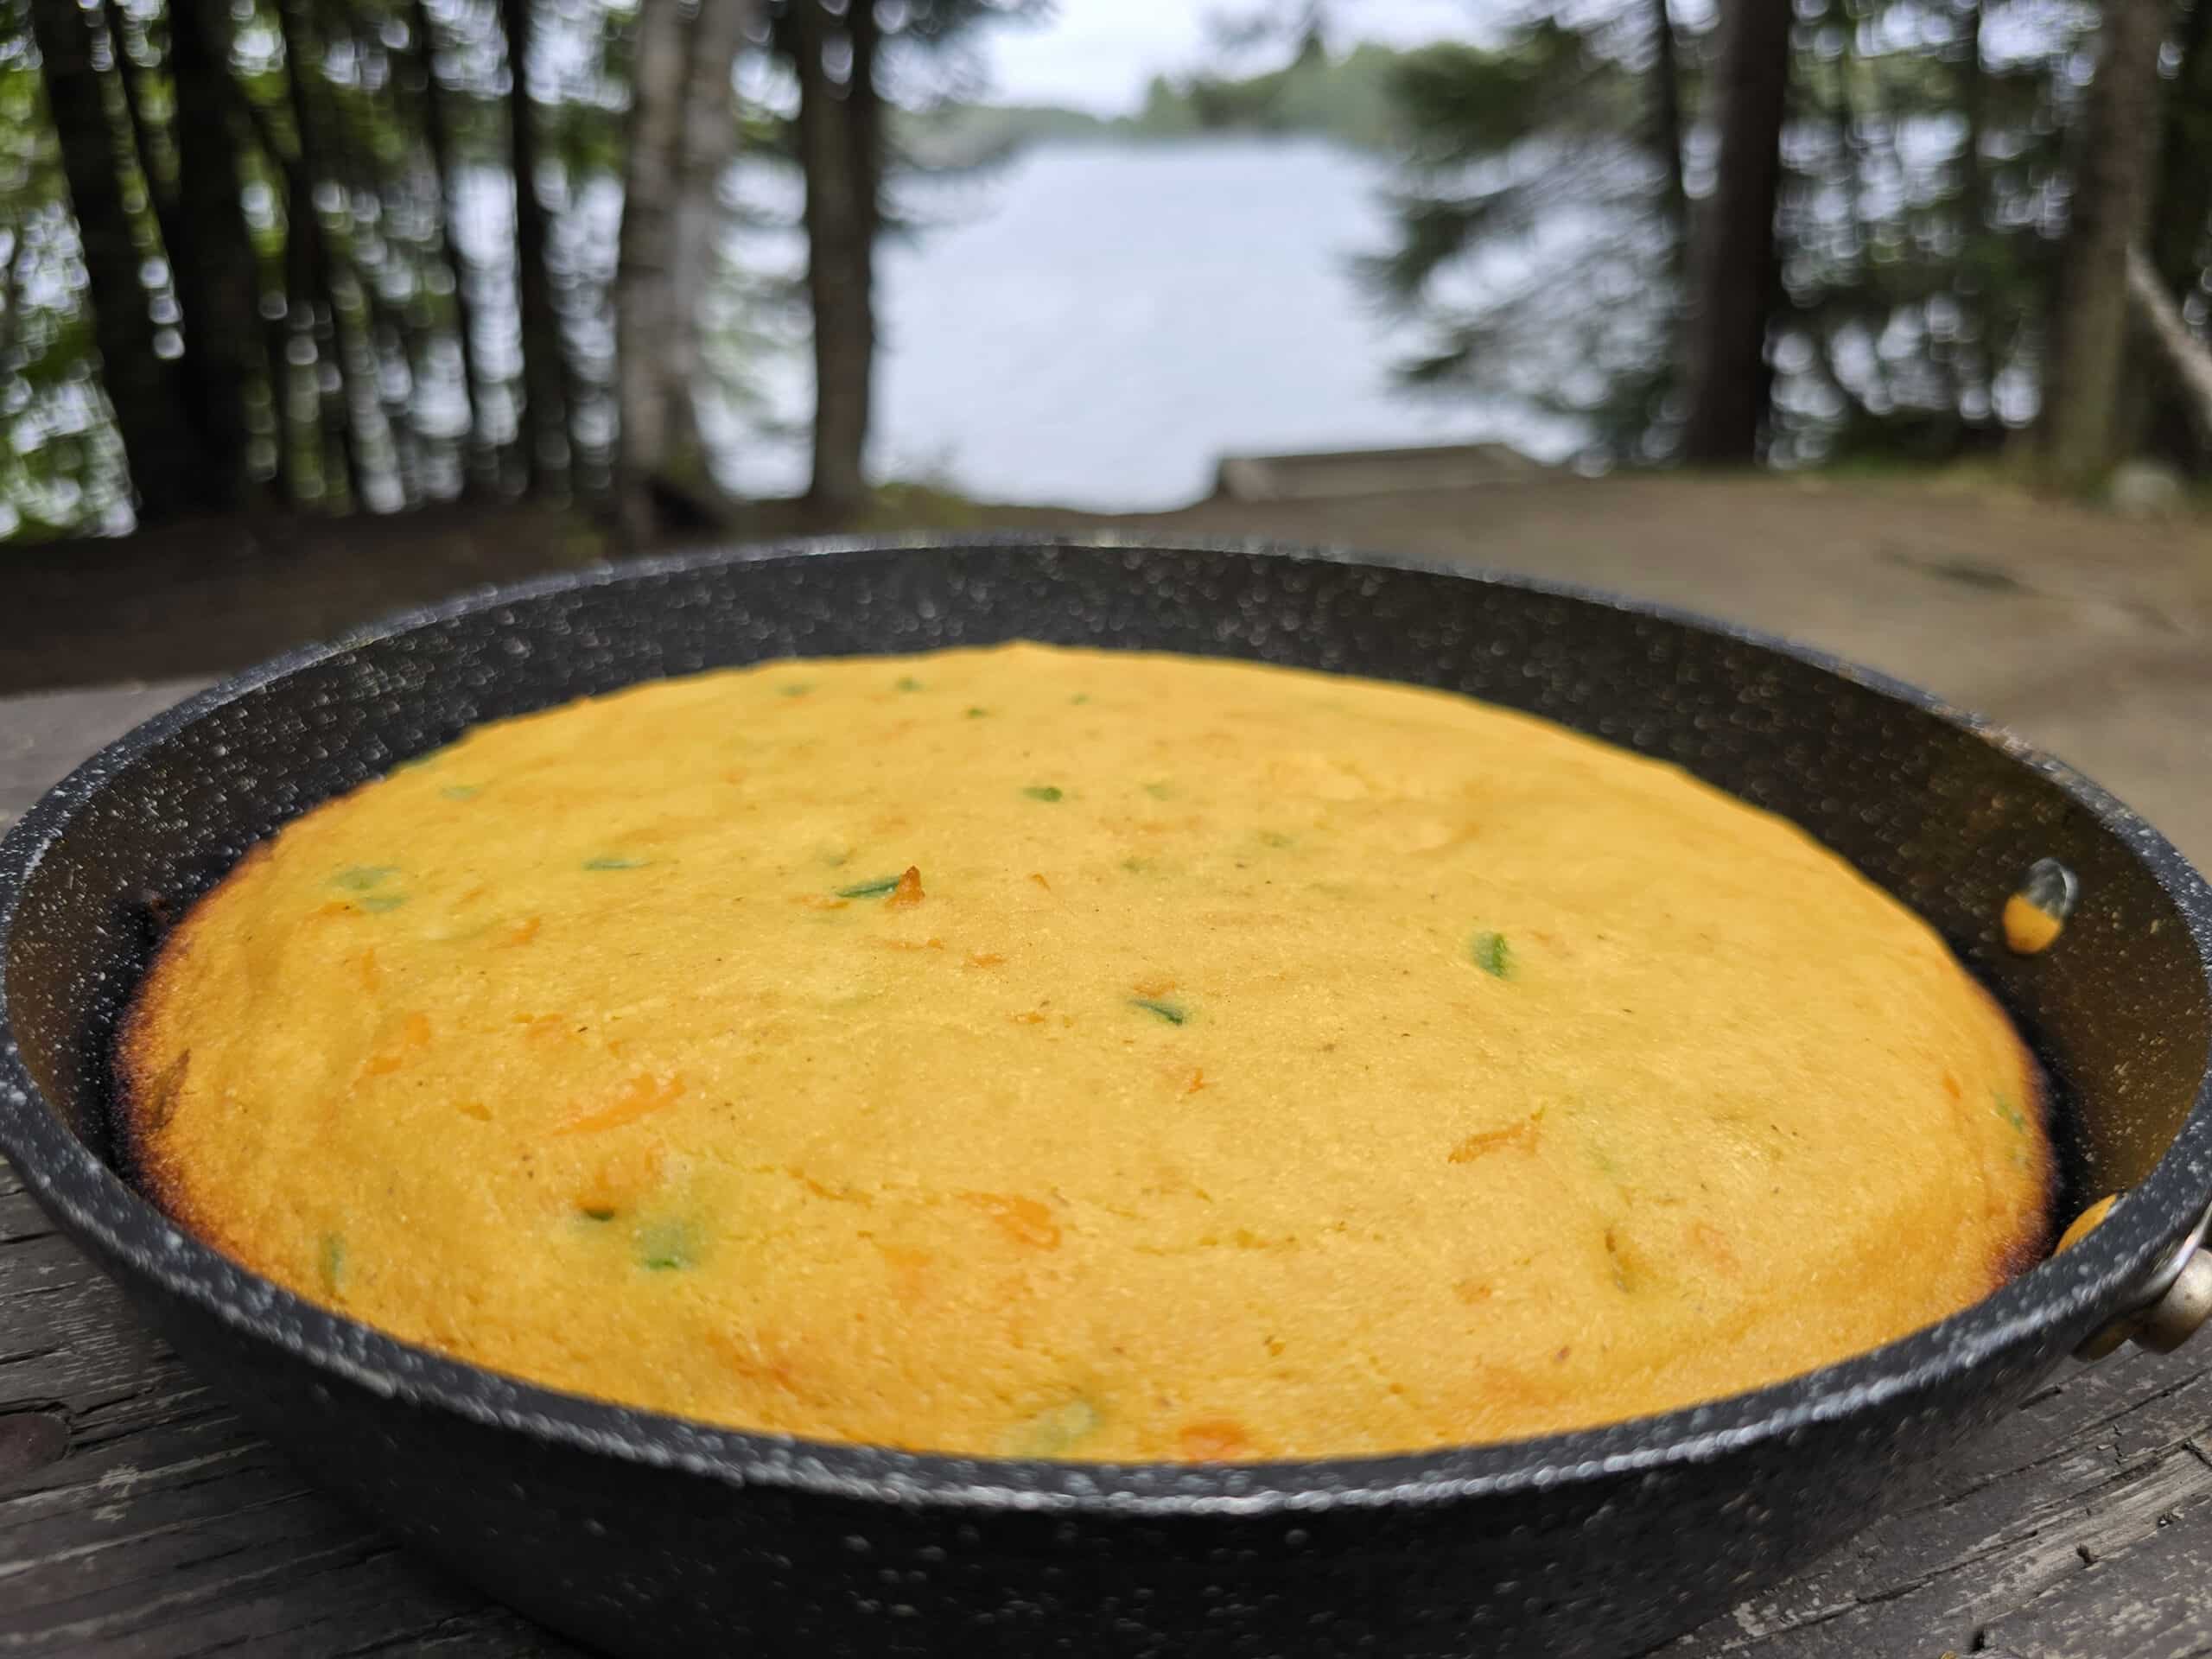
294, 405
1666, 133
1973, 100
144, 135
1976, 405
2078, 429
864, 106
682, 136
837, 133
158, 444
649, 341
2183, 213
311, 274
217, 273
709, 146
544, 404
1733, 282
2180, 219
377, 329
1853, 135
479, 463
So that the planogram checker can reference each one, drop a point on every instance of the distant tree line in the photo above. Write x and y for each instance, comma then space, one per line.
319, 255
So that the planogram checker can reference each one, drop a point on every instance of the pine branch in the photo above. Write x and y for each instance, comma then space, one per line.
2185, 355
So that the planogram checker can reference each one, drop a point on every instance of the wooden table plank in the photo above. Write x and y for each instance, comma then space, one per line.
2081, 1525
2152, 1601
167, 1527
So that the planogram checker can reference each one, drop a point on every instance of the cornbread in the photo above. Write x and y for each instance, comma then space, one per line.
1084, 1054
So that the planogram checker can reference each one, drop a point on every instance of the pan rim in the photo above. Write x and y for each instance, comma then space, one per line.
131, 1238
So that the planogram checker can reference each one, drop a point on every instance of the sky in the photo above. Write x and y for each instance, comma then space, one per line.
1098, 54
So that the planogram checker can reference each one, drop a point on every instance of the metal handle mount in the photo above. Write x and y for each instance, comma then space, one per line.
2176, 1299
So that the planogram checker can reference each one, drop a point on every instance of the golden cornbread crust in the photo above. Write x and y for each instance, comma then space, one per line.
1035, 1052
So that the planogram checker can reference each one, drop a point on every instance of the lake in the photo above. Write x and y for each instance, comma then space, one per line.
1095, 324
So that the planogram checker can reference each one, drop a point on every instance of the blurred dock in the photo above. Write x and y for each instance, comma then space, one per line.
1327, 474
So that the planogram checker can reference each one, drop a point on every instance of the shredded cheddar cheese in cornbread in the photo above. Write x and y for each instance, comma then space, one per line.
1072, 1054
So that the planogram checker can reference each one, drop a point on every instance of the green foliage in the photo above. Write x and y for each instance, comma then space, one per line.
1532, 258
1348, 98
1352, 98
1922, 208
61, 462
1924, 193
343, 110
1464, 104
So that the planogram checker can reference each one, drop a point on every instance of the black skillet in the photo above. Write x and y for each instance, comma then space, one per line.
648, 1535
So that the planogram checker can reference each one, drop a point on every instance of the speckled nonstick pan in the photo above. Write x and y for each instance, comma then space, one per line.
650, 1535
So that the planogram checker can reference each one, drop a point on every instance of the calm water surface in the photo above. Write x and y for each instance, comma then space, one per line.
1095, 324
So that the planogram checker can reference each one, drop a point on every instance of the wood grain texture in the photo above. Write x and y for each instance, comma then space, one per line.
2081, 1526
166, 1526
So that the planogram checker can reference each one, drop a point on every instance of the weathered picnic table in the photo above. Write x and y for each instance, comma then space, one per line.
140, 1517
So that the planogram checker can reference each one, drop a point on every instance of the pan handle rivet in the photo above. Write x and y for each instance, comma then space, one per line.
2177, 1298
2174, 1318
2036, 913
